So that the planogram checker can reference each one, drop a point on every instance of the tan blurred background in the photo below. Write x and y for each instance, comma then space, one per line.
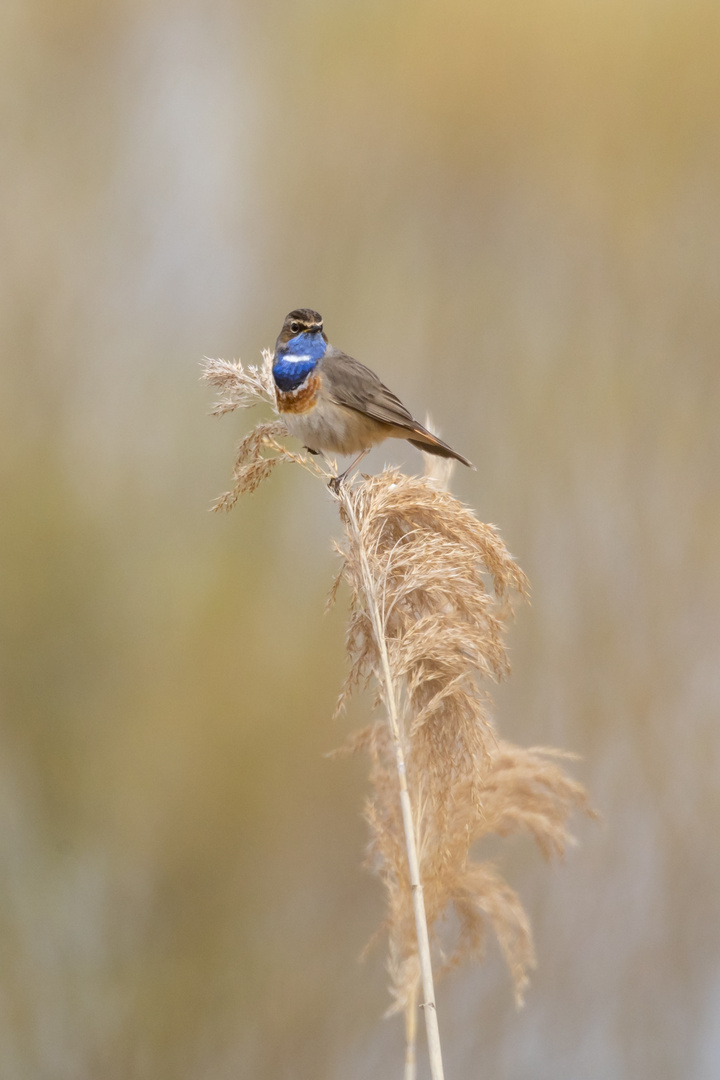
512, 211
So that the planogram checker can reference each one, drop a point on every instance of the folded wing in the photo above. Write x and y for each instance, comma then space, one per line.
355, 386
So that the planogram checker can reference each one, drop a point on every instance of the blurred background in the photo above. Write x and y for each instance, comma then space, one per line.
510, 210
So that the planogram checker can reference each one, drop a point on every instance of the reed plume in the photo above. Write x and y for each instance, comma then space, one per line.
432, 590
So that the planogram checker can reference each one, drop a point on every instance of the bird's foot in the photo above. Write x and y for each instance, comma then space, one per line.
337, 481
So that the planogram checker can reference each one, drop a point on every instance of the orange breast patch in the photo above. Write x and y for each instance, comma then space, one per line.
301, 400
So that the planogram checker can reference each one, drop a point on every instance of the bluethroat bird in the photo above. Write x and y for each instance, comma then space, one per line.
335, 403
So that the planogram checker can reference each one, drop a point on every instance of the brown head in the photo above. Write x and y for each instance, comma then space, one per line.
300, 321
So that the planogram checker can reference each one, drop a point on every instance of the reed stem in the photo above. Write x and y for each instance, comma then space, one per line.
421, 928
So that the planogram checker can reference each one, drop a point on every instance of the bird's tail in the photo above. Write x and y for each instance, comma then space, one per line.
431, 444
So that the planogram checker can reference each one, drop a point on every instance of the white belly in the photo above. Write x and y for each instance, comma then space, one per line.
336, 429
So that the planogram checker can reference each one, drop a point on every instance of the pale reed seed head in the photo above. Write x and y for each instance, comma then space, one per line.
259, 452
445, 585
240, 387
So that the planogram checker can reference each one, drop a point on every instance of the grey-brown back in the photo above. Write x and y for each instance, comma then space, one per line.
355, 386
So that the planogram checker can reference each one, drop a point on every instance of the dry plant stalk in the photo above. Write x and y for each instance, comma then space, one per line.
432, 591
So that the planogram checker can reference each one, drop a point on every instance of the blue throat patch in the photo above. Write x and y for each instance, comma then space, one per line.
297, 359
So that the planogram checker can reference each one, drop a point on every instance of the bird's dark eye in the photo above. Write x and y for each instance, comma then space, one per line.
294, 326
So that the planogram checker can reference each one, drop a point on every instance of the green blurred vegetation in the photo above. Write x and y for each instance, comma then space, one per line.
512, 212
